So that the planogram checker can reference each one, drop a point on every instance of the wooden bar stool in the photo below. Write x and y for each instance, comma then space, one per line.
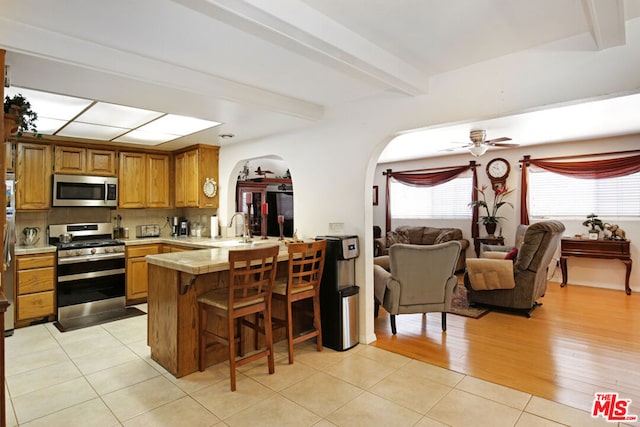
251, 276
306, 263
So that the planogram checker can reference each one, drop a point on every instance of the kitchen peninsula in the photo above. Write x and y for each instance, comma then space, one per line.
175, 282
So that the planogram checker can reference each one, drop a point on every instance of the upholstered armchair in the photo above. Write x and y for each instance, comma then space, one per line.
518, 283
421, 280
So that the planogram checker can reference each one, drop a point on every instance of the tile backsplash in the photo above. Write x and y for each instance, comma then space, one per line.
130, 218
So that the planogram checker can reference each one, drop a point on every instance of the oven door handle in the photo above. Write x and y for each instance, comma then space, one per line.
93, 257
90, 275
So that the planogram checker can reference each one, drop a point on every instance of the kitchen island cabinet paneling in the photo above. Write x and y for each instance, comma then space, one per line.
33, 177
175, 282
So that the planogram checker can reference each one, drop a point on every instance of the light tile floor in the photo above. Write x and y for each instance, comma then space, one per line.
104, 376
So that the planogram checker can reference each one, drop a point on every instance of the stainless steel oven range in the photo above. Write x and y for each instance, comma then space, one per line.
90, 273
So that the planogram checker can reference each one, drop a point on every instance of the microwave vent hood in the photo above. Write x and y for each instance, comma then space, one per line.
85, 191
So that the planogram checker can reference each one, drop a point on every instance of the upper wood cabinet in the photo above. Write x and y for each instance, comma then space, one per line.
101, 162
158, 171
11, 161
143, 180
81, 161
193, 167
33, 177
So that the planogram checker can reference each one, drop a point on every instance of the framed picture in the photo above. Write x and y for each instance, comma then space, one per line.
375, 195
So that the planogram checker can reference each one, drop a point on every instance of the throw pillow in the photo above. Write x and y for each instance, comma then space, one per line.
429, 235
512, 254
394, 237
445, 236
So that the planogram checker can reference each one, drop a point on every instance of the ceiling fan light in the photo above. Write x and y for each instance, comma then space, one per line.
478, 150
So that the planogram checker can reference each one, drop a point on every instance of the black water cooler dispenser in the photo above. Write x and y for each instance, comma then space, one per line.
339, 293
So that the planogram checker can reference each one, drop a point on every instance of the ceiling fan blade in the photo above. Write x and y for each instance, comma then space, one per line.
493, 144
491, 141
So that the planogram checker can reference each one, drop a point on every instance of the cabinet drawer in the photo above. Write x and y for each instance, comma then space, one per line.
142, 250
36, 280
24, 262
35, 305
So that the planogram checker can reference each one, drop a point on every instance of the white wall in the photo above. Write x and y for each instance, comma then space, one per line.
584, 271
333, 161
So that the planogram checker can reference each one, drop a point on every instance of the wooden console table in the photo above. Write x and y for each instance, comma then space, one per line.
487, 240
601, 249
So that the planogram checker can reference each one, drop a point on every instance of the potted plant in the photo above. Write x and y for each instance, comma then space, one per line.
593, 222
491, 219
19, 117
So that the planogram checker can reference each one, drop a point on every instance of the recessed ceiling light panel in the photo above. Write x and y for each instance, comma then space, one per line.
89, 131
178, 125
50, 105
144, 137
117, 115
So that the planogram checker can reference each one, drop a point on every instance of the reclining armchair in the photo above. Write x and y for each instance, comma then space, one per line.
421, 280
518, 283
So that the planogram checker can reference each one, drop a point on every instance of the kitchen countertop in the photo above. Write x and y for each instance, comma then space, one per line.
209, 260
36, 249
211, 256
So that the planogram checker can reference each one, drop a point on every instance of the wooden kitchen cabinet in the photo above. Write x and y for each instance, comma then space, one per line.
144, 180
35, 286
101, 162
84, 161
176, 248
131, 187
10, 157
137, 271
158, 170
193, 168
33, 177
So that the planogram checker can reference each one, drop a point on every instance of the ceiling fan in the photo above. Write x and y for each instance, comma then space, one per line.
479, 144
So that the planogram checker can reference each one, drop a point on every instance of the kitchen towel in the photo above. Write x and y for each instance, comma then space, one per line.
214, 226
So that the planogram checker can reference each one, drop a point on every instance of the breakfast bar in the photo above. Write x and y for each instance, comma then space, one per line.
175, 282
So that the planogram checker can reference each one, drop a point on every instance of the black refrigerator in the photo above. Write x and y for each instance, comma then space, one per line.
339, 294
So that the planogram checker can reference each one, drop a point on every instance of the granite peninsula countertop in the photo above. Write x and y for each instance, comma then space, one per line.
213, 258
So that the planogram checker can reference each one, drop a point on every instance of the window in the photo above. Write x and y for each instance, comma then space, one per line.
555, 195
448, 200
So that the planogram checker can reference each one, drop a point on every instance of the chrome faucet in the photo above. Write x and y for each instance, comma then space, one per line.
245, 229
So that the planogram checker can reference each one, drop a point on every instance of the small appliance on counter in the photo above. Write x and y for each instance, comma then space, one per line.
183, 229
175, 226
149, 230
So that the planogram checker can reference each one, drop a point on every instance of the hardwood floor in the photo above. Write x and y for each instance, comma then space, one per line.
580, 341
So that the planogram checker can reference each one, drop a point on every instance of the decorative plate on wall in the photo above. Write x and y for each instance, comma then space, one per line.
210, 187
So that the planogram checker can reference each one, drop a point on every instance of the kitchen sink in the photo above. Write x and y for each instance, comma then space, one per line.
241, 244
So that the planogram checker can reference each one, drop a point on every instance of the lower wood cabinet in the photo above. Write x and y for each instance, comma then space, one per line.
137, 271
35, 286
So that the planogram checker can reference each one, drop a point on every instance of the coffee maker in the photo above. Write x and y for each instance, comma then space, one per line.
175, 226
183, 230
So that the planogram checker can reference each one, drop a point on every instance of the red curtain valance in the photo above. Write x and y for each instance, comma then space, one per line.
585, 169
429, 178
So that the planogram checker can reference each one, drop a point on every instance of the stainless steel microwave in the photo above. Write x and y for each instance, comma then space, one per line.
83, 190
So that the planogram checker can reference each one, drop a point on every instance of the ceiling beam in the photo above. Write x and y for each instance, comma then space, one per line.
51, 45
606, 19
299, 28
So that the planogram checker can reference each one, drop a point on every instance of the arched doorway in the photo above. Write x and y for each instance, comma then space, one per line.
264, 191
